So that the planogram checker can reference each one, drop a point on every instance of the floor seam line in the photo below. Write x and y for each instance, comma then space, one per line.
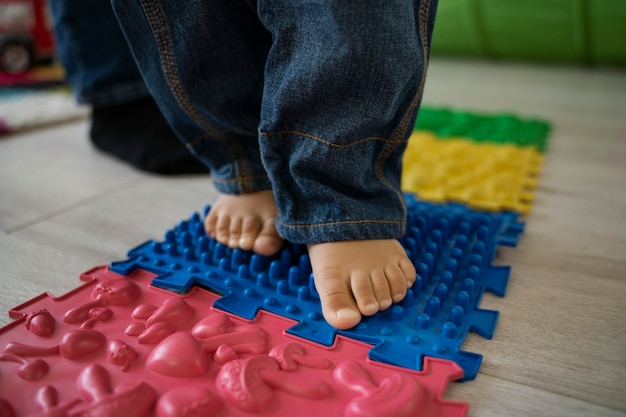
72, 206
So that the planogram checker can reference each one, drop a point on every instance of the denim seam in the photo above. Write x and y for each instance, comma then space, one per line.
424, 10
310, 225
159, 29
240, 179
378, 169
192, 143
157, 21
391, 146
326, 142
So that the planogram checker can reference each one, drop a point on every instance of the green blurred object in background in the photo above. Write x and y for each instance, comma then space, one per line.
502, 128
565, 31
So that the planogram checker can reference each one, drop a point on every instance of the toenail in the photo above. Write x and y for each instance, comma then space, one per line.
385, 304
371, 307
347, 313
398, 297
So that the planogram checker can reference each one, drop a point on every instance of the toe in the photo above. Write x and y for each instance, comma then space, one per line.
381, 288
235, 232
338, 306
210, 224
268, 242
364, 293
396, 281
222, 229
408, 270
249, 231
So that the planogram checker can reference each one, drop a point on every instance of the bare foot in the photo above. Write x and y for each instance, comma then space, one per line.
359, 277
245, 221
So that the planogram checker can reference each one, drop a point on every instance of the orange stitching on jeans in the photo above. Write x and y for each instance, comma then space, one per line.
378, 169
388, 150
424, 10
159, 29
326, 142
391, 144
241, 179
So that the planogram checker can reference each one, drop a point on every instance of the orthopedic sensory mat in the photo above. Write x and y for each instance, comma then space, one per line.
188, 327
489, 162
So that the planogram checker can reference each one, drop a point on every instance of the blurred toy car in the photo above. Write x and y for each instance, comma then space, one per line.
25, 34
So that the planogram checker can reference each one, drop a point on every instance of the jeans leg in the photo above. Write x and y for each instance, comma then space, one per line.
92, 48
344, 80
203, 62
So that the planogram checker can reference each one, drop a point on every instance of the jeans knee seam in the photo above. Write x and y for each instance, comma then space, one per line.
329, 143
390, 145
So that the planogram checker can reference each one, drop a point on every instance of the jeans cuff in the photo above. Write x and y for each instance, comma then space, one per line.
341, 231
242, 185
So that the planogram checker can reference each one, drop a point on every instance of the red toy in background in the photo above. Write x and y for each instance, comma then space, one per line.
25, 34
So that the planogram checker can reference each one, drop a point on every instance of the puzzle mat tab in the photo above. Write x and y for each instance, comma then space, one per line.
502, 128
117, 346
486, 176
451, 246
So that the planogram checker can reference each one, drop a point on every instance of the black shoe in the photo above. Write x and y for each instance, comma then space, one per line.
137, 133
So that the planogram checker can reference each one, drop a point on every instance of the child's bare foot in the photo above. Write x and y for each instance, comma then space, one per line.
245, 221
359, 277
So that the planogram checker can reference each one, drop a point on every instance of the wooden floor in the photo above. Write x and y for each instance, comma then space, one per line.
560, 345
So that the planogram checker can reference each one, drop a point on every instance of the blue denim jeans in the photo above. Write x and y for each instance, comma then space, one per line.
314, 99
96, 57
